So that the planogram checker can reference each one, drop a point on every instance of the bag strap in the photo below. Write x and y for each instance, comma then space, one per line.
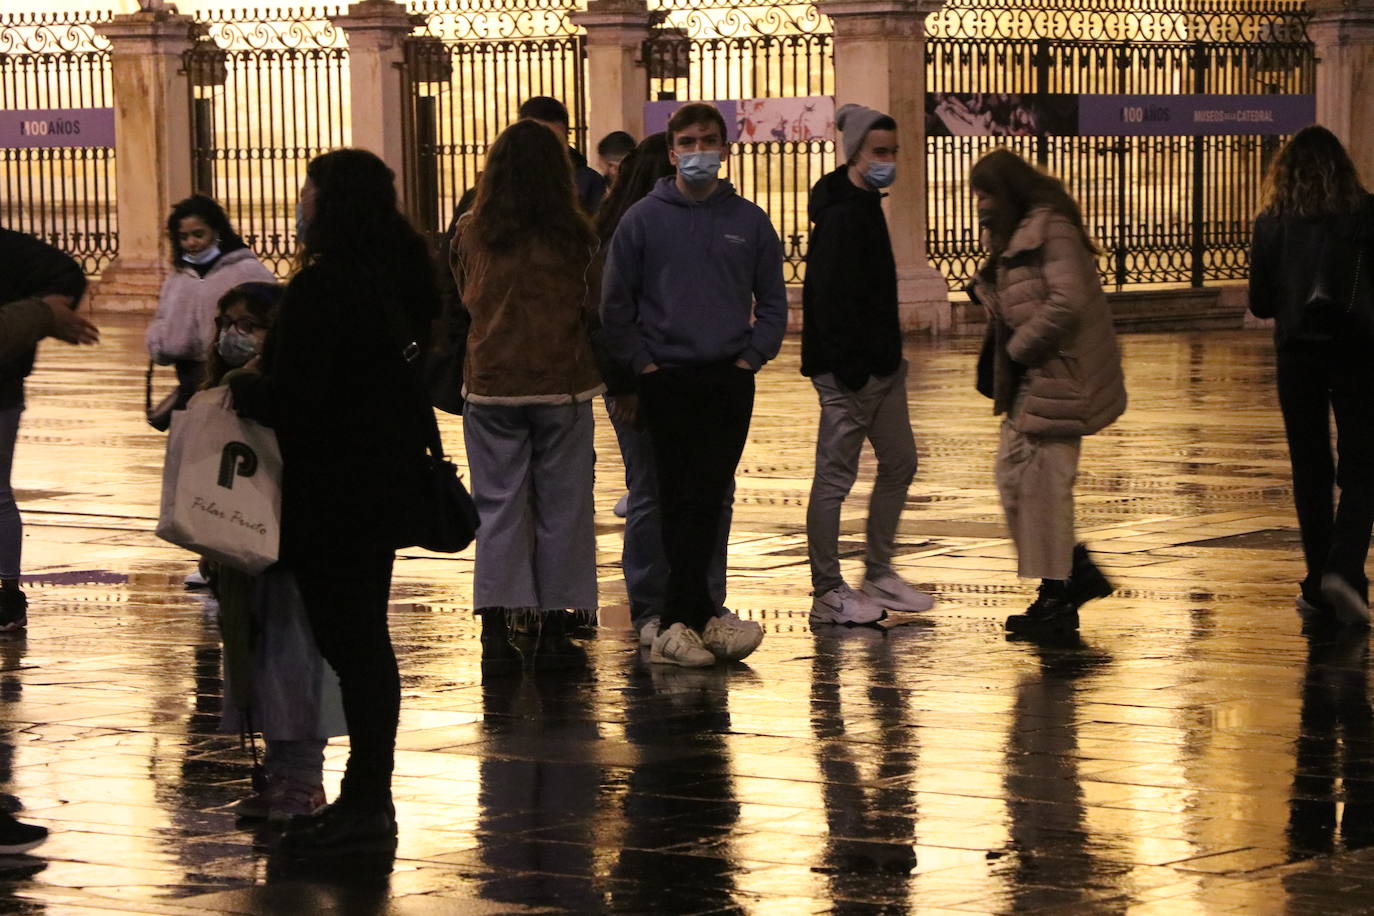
148, 387
408, 349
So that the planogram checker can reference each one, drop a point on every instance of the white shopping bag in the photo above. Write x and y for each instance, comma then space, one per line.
221, 485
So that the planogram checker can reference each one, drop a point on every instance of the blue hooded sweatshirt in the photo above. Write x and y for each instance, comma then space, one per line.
684, 279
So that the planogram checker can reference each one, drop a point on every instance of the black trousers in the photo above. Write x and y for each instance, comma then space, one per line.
345, 595
698, 421
1315, 381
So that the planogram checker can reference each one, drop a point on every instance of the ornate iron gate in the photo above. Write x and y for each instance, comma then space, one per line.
707, 49
1169, 209
468, 70
63, 195
268, 94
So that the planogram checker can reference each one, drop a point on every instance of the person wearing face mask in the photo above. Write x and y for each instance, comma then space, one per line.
852, 352
276, 681
208, 259
693, 301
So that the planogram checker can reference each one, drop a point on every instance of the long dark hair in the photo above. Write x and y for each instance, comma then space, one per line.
1016, 188
639, 172
1311, 177
208, 211
356, 226
525, 197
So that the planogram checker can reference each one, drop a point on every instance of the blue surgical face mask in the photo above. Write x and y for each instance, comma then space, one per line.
881, 174
699, 168
204, 256
236, 347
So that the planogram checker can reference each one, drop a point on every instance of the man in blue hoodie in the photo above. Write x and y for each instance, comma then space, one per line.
852, 352
693, 301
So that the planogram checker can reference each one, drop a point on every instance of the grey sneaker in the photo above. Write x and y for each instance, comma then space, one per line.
680, 645
844, 605
731, 639
1350, 608
892, 592
649, 632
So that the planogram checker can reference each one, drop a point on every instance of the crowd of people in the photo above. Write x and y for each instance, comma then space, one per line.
657, 287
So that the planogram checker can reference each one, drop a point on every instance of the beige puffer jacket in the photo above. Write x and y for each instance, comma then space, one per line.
1058, 326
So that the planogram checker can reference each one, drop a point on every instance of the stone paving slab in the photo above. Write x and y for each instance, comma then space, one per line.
1193, 753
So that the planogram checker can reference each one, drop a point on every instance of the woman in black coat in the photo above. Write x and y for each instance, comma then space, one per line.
339, 386
1310, 272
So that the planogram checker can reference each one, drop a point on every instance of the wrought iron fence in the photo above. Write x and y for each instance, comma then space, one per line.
63, 195
269, 92
468, 69
1169, 209
709, 50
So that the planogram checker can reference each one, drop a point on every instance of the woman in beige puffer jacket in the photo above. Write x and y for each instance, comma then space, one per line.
1056, 374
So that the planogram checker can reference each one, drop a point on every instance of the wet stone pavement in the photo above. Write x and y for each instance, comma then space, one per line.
1193, 754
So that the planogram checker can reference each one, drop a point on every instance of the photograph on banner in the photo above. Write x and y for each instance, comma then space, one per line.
787, 120
1000, 114
796, 119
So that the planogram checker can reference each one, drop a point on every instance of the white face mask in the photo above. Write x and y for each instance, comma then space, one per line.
699, 168
205, 256
236, 347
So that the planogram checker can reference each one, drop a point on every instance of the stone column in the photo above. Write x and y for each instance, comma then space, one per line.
880, 63
616, 79
1343, 32
152, 152
377, 30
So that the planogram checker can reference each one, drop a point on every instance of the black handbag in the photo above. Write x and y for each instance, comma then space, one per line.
159, 416
450, 520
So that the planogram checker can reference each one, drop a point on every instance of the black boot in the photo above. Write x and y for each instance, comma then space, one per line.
1087, 582
497, 650
342, 828
555, 648
1052, 612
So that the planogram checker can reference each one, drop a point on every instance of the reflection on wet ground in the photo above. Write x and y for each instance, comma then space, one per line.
1194, 752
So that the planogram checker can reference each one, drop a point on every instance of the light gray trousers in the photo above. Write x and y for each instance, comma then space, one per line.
532, 471
876, 412
1035, 477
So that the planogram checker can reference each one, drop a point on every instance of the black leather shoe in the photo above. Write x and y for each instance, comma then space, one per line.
1053, 611
341, 828
1087, 582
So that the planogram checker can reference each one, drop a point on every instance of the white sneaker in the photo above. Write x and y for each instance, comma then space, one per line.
622, 505
729, 638
1350, 608
680, 645
649, 632
844, 605
896, 595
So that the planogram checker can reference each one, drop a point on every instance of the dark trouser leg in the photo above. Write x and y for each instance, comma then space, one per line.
1352, 400
1304, 397
346, 599
698, 420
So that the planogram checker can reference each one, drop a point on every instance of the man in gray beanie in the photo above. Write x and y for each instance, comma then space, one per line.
852, 352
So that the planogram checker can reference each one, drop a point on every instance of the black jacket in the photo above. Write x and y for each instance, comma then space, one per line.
849, 300
1290, 258
29, 267
352, 420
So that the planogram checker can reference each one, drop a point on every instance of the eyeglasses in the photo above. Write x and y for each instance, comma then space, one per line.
245, 325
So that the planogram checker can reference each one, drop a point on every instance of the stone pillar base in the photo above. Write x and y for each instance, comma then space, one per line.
923, 300
129, 286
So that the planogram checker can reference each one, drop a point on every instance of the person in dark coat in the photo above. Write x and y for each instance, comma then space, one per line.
1309, 271
353, 422
53, 285
852, 351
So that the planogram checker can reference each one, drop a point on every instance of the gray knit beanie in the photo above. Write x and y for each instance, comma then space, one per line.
853, 121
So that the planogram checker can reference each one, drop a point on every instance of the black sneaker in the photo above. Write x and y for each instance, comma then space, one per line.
1053, 611
1087, 582
14, 610
17, 837
341, 829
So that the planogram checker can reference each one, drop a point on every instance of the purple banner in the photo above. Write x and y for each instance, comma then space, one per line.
57, 127
656, 115
1193, 115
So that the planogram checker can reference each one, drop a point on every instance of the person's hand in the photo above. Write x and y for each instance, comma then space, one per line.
652, 367
624, 408
743, 364
68, 326
252, 364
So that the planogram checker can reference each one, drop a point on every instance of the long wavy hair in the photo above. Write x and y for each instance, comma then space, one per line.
1016, 188
208, 211
356, 227
1312, 177
639, 172
525, 198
